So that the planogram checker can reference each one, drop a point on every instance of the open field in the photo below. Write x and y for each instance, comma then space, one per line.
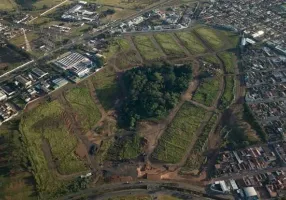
16, 181
211, 59
233, 38
125, 148
176, 139
34, 125
196, 157
106, 87
211, 37
115, 46
169, 45
7, 5
20, 40
207, 91
146, 47
137, 4
191, 42
228, 93
84, 106
10, 59
229, 61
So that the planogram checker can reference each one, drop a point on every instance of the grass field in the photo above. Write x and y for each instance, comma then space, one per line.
48, 3
115, 46
228, 93
7, 5
233, 38
169, 45
207, 91
20, 40
211, 59
106, 87
125, 148
84, 106
211, 37
229, 60
196, 157
136, 4
146, 48
175, 140
10, 59
191, 42
34, 126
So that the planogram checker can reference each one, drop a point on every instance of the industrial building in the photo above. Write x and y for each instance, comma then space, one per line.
39, 73
76, 63
24, 81
59, 82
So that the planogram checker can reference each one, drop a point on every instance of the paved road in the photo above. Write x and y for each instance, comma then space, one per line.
150, 186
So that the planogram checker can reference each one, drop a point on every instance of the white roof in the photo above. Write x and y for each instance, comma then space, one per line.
223, 186
249, 191
233, 184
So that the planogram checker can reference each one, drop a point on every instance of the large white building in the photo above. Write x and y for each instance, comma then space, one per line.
75, 63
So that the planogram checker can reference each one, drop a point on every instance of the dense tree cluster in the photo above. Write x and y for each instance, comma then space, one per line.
152, 91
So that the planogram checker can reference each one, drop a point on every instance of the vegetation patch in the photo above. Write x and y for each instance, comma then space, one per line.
7, 5
84, 106
34, 126
106, 87
207, 91
16, 181
20, 40
146, 48
125, 148
196, 157
229, 61
191, 42
115, 46
210, 36
151, 91
228, 93
176, 139
169, 45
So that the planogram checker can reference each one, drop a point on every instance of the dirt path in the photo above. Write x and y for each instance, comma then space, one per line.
78, 132
161, 127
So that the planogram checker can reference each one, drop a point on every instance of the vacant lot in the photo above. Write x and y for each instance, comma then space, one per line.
229, 60
115, 46
106, 87
146, 48
136, 4
228, 93
42, 122
207, 91
176, 139
191, 42
9, 59
196, 158
20, 40
169, 45
211, 37
7, 5
84, 106
125, 148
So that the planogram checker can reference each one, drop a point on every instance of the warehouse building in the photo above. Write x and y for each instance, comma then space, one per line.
39, 73
3, 96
